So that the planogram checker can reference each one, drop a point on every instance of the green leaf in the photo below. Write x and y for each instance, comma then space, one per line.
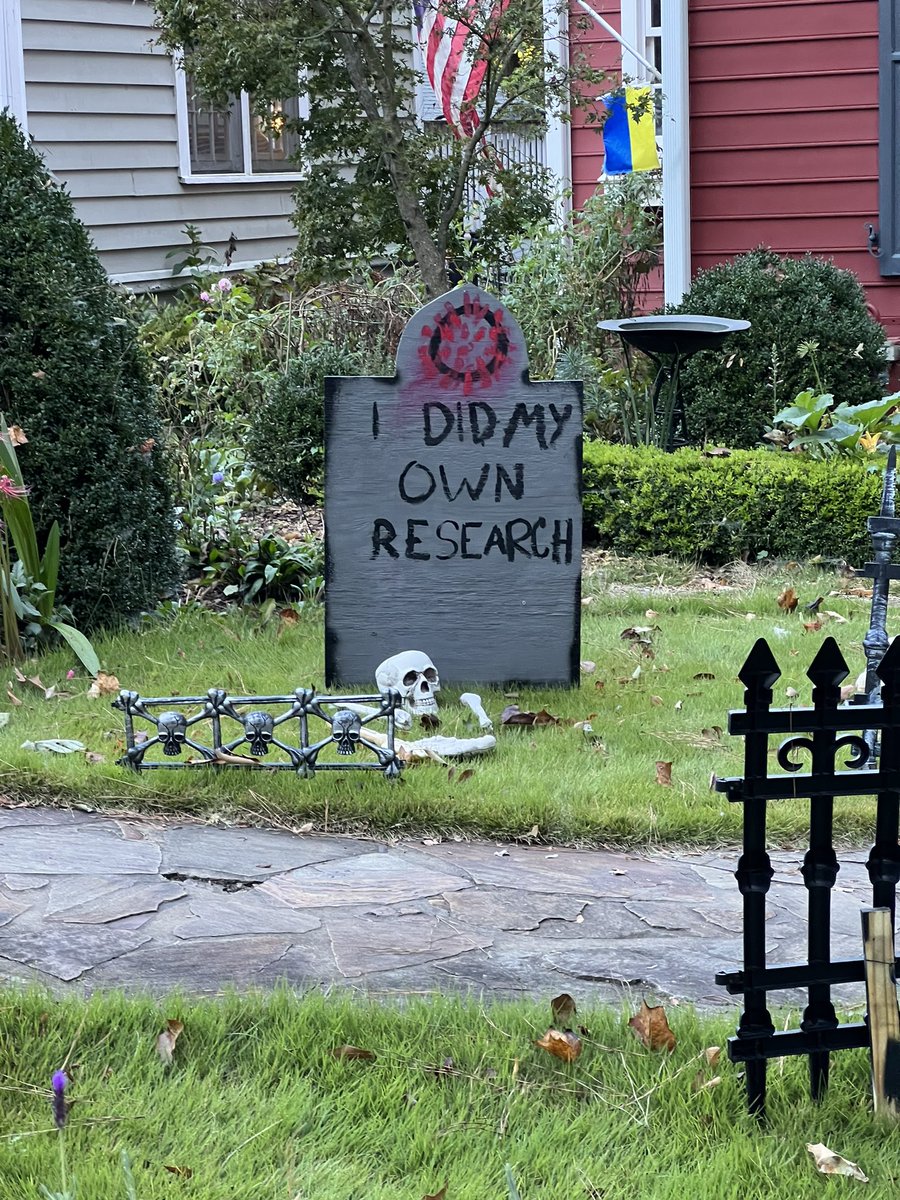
49, 573
86, 653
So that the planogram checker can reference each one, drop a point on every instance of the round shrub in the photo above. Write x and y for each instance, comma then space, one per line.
639, 500
72, 377
732, 395
286, 444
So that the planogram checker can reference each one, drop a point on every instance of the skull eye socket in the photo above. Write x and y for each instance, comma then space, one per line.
410, 678
430, 674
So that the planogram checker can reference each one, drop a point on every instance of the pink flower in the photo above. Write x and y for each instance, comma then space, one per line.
224, 285
70, 674
205, 297
12, 491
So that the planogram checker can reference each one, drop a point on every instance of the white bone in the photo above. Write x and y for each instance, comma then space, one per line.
473, 702
436, 749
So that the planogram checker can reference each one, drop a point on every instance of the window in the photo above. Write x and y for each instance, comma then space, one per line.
230, 143
889, 136
642, 29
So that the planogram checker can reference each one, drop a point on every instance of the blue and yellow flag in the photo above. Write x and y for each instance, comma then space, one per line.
629, 132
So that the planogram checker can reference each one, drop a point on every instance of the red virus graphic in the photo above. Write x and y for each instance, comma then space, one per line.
465, 347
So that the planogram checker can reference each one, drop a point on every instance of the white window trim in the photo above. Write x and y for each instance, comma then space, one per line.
186, 174
12, 62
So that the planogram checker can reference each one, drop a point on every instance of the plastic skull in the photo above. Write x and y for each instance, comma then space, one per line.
172, 730
415, 677
346, 730
259, 729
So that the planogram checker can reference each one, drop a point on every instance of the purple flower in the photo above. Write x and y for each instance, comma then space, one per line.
218, 477
224, 285
205, 297
60, 1107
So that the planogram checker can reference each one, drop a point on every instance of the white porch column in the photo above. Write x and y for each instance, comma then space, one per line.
676, 148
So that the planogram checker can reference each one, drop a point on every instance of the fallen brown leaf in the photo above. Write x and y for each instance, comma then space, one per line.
561, 1044
93, 758
788, 600
712, 1055
103, 685
664, 774
181, 1172
16, 432
652, 1027
563, 1008
12, 697
700, 1083
656, 701
829, 1163
439, 1195
447, 1068
513, 716
165, 1043
345, 1053
704, 675
812, 626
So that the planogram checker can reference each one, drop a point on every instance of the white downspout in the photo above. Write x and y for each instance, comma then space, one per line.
12, 62
676, 151
558, 139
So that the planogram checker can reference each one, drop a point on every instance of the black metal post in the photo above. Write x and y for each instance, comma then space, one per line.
754, 870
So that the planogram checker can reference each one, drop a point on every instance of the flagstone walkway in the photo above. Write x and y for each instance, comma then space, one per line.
90, 901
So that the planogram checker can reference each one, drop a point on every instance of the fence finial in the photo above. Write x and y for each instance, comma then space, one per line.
760, 671
829, 668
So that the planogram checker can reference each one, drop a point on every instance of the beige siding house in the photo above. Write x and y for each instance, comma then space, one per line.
141, 157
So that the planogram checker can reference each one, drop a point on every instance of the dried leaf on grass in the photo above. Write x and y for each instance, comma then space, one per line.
92, 758
103, 685
55, 745
441, 1194
180, 1172
587, 666
13, 698
236, 760
165, 1043
704, 675
829, 1163
561, 1044
651, 1026
462, 777
788, 600
513, 716
350, 1053
664, 774
563, 1008
700, 1083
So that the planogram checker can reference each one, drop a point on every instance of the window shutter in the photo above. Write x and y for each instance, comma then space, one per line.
889, 136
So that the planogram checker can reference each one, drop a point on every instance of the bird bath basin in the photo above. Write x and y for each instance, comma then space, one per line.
668, 341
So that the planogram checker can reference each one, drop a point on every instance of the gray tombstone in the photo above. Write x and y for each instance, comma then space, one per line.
453, 506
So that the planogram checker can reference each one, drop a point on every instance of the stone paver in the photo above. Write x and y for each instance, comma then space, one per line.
89, 901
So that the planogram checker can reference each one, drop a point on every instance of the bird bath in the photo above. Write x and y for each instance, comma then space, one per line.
669, 341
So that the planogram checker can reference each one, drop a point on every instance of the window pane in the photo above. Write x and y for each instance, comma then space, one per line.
214, 133
273, 141
655, 13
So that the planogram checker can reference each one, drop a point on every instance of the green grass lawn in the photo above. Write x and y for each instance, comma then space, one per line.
255, 1106
664, 702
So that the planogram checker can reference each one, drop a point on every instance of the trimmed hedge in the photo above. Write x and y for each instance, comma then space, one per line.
639, 500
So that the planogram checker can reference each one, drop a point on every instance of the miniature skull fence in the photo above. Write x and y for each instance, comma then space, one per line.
216, 730
825, 731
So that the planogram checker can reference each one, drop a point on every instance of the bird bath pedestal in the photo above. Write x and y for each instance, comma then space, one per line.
669, 341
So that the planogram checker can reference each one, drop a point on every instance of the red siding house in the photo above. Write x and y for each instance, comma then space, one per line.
783, 129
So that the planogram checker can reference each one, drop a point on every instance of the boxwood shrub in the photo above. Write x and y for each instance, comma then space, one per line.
732, 394
639, 500
72, 376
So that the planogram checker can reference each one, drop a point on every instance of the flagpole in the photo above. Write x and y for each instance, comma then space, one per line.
622, 42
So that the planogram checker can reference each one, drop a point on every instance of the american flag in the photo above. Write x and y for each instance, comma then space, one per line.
454, 58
